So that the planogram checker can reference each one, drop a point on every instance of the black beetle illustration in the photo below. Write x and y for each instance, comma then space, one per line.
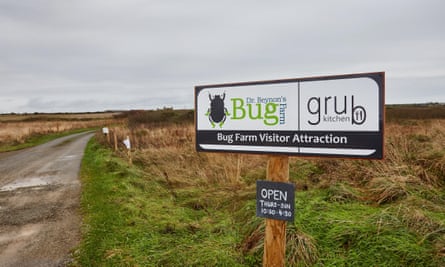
217, 111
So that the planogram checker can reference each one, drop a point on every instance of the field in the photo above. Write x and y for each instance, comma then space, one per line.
22, 130
174, 207
170, 206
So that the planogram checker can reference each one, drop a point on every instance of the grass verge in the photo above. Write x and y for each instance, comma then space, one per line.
132, 219
353, 233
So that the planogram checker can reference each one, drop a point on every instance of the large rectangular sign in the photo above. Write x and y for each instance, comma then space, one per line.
336, 116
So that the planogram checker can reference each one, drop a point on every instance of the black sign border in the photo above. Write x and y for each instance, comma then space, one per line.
378, 77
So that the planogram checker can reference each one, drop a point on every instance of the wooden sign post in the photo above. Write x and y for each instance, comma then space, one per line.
275, 235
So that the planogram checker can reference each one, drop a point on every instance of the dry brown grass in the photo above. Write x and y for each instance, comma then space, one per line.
302, 250
169, 151
414, 158
16, 129
388, 189
58, 116
414, 161
412, 171
417, 220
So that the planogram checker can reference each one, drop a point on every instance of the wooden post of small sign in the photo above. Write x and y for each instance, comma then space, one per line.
130, 159
275, 234
238, 168
115, 140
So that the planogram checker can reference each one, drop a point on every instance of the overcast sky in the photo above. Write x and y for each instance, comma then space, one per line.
94, 55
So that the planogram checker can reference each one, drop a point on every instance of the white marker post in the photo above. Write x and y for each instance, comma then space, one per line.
128, 146
106, 132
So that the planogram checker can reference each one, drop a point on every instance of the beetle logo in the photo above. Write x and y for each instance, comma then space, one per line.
217, 112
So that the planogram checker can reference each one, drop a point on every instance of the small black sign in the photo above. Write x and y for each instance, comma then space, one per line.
275, 200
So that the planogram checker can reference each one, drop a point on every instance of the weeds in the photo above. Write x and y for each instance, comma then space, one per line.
389, 189
348, 213
301, 248
131, 219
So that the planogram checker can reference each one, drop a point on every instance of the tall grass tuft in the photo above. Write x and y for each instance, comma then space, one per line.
388, 189
301, 248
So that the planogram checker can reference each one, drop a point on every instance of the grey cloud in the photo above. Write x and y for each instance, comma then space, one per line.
161, 49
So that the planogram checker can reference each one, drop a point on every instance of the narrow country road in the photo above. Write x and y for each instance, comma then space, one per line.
39, 203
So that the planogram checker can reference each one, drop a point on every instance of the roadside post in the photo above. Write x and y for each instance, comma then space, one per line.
115, 140
106, 132
128, 146
339, 116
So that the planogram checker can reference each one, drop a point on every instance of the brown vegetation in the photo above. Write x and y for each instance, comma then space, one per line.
401, 113
414, 166
414, 155
16, 129
407, 185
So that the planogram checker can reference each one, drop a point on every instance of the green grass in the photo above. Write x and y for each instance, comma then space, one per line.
348, 213
131, 219
38, 139
357, 234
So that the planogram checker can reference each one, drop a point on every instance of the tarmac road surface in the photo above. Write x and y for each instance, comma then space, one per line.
39, 203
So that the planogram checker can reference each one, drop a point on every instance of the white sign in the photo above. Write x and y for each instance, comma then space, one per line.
321, 116
105, 130
127, 143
